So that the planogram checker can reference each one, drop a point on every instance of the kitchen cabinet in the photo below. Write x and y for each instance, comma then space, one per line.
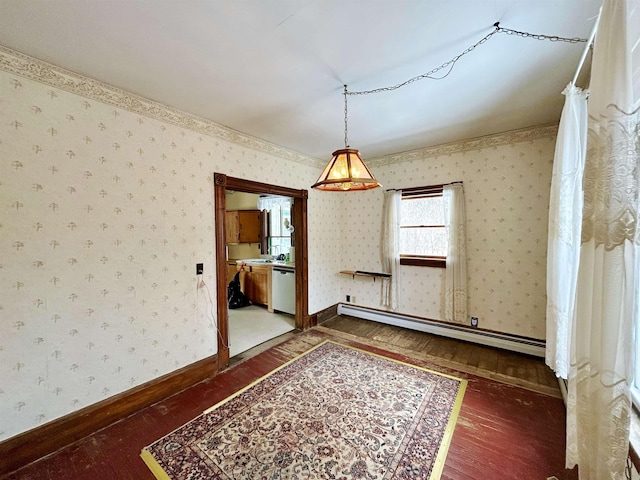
243, 226
257, 284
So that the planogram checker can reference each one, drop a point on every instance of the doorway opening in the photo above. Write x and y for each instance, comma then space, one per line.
224, 183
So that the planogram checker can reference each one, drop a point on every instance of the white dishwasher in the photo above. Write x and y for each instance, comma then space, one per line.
283, 288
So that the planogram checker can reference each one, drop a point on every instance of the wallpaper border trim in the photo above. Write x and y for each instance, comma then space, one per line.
527, 134
17, 63
32, 68
19, 451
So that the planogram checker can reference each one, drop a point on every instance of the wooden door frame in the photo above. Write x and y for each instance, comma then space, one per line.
222, 183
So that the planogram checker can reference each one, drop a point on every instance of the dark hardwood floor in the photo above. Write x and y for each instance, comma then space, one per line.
503, 431
502, 365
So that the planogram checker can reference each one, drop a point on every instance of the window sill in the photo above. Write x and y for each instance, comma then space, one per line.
424, 262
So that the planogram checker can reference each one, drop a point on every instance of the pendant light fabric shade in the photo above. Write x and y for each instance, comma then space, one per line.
346, 171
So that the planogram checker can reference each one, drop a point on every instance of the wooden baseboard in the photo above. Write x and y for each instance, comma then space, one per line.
326, 314
17, 452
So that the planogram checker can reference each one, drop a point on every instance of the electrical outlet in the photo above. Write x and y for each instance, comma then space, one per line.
353, 299
474, 321
199, 268
349, 298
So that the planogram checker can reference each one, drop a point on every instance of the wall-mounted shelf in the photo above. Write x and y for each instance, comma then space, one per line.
362, 273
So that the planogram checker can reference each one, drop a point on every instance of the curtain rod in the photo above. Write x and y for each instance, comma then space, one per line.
586, 48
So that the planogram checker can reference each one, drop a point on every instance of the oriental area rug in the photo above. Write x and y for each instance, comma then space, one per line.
334, 412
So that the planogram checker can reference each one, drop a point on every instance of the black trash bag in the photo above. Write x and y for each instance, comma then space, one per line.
236, 298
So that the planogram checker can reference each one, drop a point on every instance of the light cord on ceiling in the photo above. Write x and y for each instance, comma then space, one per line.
451, 63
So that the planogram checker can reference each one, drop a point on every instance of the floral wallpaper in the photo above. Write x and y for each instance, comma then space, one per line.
106, 205
506, 179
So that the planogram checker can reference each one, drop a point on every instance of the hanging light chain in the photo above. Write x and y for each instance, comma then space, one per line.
430, 73
346, 137
451, 63
551, 38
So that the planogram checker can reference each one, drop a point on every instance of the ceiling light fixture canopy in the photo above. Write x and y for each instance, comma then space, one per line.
346, 171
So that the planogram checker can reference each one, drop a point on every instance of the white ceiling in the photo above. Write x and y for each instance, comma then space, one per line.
275, 69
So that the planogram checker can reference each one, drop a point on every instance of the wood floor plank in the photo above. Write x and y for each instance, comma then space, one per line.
503, 431
501, 365
485, 359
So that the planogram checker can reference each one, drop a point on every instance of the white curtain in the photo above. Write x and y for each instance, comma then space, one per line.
391, 248
565, 225
270, 203
455, 293
598, 404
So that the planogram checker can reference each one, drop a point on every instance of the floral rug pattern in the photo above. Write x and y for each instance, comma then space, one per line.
333, 413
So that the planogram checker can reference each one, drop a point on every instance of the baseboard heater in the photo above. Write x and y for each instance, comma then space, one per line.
483, 337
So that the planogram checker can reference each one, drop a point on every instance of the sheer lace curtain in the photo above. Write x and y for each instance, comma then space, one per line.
391, 248
565, 225
270, 203
455, 293
607, 297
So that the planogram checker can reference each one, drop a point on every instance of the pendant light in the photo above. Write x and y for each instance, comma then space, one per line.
346, 171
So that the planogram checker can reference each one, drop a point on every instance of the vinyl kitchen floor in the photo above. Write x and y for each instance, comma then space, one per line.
250, 326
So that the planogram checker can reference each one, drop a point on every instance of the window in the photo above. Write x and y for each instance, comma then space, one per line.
423, 239
280, 229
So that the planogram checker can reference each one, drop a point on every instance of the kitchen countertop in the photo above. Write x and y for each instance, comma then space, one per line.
273, 263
